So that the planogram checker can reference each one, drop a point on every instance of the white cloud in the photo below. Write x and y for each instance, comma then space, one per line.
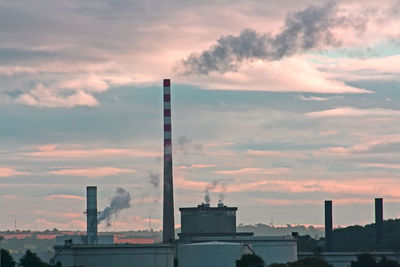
293, 74
354, 112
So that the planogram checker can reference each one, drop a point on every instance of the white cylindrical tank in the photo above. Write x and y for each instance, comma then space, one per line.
210, 254
274, 251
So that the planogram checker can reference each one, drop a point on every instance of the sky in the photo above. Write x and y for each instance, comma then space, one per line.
279, 104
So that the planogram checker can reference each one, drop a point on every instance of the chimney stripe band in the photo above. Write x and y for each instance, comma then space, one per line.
167, 135
167, 120
167, 105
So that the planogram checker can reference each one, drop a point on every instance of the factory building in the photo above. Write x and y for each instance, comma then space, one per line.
158, 255
205, 220
211, 231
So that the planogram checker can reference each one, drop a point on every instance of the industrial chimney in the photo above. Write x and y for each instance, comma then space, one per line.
379, 219
168, 209
91, 213
328, 225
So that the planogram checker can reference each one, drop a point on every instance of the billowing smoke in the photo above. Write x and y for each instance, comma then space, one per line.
119, 202
303, 30
209, 187
154, 179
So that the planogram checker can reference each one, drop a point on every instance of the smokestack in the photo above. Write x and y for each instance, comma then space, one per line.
168, 210
379, 219
91, 213
328, 225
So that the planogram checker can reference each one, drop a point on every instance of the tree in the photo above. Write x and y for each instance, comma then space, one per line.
250, 260
384, 262
307, 262
6, 259
310, 262
364, 260
30, 259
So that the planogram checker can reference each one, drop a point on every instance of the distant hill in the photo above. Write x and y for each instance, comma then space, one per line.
269, 230
357, 238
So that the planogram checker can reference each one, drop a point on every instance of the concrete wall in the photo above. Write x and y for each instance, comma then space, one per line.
116, 255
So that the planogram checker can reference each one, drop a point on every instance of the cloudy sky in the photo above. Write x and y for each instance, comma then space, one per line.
283, 103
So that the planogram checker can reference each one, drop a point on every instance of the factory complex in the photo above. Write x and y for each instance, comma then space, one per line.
208, 236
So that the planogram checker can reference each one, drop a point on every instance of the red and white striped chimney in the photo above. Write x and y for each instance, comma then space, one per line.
168, 209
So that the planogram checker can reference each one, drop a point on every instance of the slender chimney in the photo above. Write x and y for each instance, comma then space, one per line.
379, 220
168, 210
328, 225
91, 213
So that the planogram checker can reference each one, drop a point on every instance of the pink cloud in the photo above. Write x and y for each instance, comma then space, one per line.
366, 146
294, 74
68, 215
11, 197
43, 224
354, 68
275, 154
195, 166
9, 172
70, 197
55, 151
92, 172
136, 223
381, 165
336, 201
245, 171
181, 183
328, 133
363, 186
46, 97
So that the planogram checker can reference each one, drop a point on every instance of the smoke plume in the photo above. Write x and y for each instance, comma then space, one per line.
222, 193
154, 179
303, 30
185, 148
209, 187
119, 202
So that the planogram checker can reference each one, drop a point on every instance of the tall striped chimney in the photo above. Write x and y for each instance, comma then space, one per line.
168, 209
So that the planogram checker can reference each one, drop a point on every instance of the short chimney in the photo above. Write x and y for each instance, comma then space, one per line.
379, 220
328, 225
91, 214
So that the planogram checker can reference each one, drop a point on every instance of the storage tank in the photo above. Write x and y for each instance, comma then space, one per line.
272, 249
210, 254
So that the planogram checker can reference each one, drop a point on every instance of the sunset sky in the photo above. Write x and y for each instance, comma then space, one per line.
283, 103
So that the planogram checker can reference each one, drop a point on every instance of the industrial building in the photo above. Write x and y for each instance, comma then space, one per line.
211, 231
208, 236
